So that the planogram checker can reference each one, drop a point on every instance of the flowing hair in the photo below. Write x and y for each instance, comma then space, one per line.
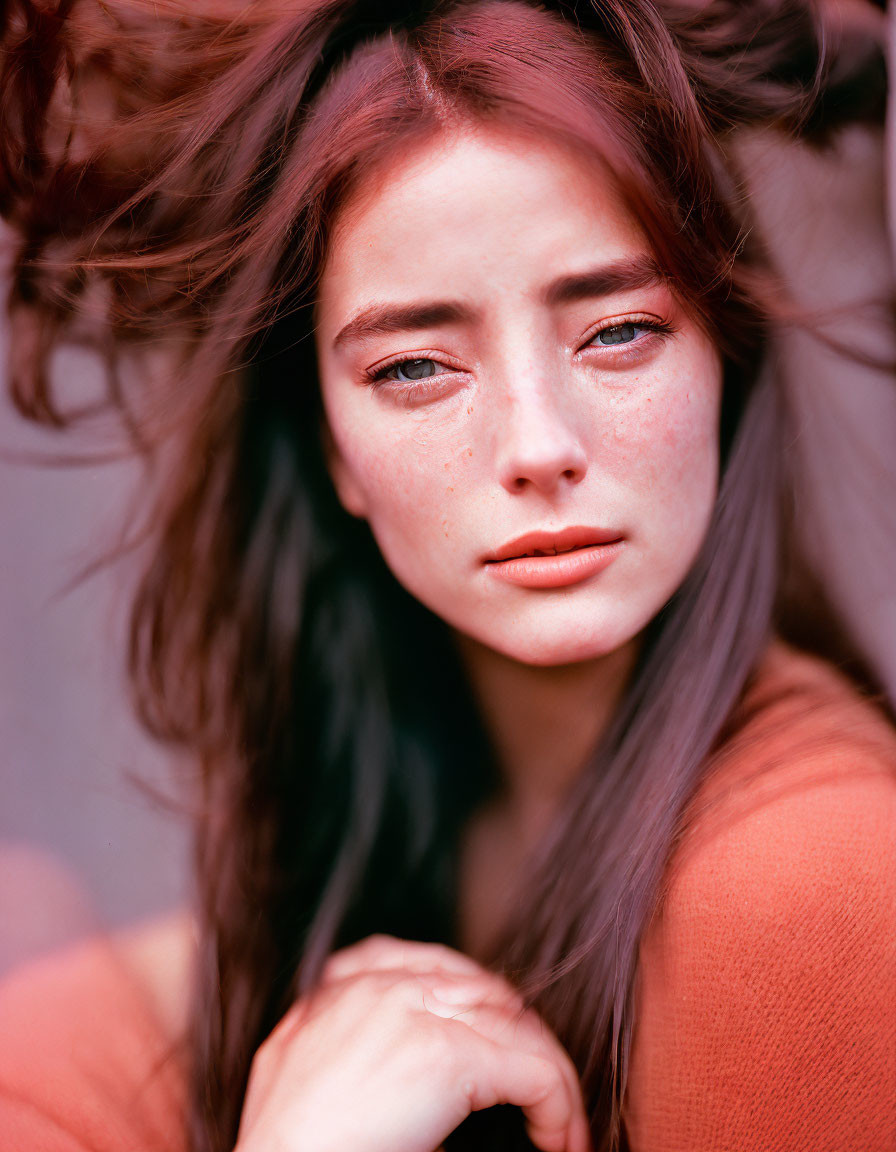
173, 172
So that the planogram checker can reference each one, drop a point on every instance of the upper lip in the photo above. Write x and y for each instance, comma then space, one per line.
548, 542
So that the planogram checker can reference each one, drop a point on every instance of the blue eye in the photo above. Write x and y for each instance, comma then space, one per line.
618, 334
625, 334
406, 371
414, 369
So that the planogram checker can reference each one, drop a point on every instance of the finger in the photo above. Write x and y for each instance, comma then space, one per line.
506, 1020
512, 1076
388, 952
580, 1134
381, 951
465, 992
525, 1032
535, 1036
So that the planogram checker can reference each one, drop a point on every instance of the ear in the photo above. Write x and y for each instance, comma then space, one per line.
350, 495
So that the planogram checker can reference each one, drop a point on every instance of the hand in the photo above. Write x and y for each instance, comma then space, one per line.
399, 1044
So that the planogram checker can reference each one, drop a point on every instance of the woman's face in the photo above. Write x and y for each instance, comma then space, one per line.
498, 359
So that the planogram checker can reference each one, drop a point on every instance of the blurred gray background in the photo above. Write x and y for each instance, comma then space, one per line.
81, 843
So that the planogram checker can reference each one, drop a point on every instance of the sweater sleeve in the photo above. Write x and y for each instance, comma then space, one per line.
84, 1065
765, 1007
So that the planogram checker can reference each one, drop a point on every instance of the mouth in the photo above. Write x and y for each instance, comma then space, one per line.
547, 552
535, 544
542, 560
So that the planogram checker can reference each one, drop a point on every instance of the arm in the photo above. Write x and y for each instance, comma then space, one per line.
766, 1007
84, 1064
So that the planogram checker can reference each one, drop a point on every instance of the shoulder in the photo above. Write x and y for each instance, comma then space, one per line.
799, 709
804, 755
805, 777
765, 1006
86, 1060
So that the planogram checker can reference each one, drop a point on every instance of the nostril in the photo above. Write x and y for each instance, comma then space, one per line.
541, 463
572, 475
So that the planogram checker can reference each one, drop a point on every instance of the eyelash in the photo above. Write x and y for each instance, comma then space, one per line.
656, 328
377, 377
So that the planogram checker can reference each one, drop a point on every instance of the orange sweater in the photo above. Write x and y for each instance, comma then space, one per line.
766, 994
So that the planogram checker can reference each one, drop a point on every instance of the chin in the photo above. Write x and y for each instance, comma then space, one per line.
543, 649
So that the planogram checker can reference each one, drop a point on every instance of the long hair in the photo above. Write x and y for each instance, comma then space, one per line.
174, 173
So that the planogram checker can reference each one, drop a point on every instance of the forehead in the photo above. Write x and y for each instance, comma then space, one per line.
476, 209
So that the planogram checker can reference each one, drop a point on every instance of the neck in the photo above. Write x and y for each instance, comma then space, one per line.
543, 723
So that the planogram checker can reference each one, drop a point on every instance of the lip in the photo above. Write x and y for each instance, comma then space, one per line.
567, 538
582, 553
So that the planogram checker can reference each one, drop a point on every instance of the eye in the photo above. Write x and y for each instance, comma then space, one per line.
618, 333
623, 339
409, 370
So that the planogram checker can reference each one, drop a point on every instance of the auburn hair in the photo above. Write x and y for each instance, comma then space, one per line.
173, 170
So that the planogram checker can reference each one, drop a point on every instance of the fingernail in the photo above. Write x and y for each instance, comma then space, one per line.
454, 994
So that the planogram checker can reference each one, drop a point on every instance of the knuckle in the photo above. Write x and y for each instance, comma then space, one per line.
550, 1076
377, 940
514, 1000
449, 955
369, 946
503, 989
364, 987
285, 1030
393, 991
267, 1055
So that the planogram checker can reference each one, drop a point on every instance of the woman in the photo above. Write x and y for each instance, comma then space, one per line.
441, 292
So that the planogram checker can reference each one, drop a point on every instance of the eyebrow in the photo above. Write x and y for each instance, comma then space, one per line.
383, 319
620, 276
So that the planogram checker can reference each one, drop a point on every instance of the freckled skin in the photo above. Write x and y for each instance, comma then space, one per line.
536, 428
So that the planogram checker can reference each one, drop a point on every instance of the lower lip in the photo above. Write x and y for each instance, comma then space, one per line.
557, 571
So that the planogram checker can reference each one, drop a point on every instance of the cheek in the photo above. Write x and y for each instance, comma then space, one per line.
410, 480
665, 449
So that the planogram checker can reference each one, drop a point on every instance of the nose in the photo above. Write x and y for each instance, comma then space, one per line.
538, 445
